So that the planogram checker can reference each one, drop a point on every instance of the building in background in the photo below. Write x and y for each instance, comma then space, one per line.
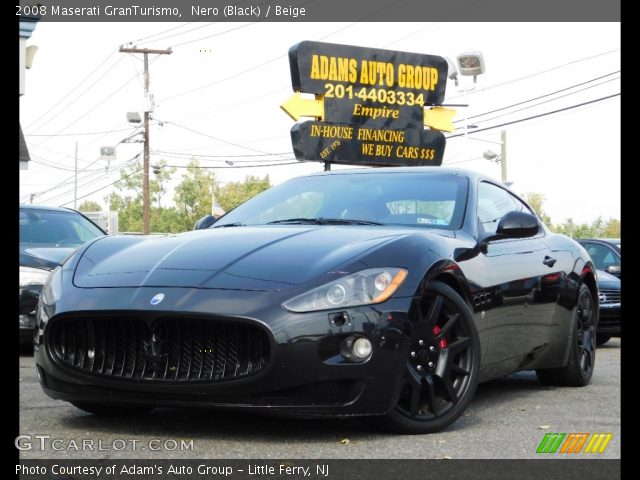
108, 221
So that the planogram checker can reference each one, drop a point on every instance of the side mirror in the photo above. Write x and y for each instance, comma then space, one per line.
204, 222
613, 269
518, 225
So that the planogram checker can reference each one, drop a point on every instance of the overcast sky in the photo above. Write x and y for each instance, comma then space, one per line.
219, 93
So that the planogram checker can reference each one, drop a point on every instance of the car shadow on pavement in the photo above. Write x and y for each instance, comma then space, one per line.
200, 423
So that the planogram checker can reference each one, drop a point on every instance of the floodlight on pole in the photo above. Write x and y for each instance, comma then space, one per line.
134, 117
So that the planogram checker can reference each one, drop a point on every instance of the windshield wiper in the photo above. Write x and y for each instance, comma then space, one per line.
324, 221
226, 225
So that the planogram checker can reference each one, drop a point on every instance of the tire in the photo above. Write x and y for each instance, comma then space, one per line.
582, 355
442, 365
116, 410
602, 338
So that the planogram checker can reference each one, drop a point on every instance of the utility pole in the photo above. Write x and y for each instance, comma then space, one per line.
503, 155
145, 179
75, 181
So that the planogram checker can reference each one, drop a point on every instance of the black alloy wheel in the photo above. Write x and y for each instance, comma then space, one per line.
582, 354
442, 365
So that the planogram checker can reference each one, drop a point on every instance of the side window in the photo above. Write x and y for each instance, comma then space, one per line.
601, 255
493, 204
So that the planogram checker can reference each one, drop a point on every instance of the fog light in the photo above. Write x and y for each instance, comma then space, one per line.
356, 349
362, 348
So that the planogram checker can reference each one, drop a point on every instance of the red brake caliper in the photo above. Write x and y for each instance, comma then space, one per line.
442, 343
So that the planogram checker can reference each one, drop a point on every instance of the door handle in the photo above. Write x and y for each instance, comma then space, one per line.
549, 261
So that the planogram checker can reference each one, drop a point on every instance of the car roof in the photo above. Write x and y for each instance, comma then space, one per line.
432, 170
45, 207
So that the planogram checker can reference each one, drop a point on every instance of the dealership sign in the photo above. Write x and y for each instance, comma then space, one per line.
370, 106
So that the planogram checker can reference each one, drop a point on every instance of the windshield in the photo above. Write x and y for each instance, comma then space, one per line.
412, 199
55, 228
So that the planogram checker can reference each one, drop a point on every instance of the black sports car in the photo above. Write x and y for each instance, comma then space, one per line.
606, 256
48, 235
386, 292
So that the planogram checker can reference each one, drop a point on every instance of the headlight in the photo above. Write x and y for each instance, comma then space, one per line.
52, 288
374, 285
33, 276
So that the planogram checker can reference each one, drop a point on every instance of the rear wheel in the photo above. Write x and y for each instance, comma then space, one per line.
582, 356
442, 365
105, 410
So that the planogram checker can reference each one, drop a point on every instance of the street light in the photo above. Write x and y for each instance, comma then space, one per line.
491, 155
471, 64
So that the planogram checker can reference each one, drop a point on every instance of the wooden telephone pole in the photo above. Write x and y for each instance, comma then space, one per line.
145, 179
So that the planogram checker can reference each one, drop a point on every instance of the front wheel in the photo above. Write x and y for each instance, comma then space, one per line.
442, 365
582, 355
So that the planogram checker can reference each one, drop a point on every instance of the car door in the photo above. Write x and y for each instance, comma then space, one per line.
518, 316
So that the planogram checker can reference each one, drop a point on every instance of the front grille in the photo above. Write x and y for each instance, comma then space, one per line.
610, 296
176, 350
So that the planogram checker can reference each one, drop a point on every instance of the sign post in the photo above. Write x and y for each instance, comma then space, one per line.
369, 106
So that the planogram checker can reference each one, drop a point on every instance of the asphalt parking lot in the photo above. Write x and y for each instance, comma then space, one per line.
507, 419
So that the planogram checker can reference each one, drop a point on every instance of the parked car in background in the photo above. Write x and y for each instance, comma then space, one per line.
48, 235
606, 255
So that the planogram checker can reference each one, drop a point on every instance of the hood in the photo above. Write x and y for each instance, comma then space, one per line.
606, 280
240, 258
46, 258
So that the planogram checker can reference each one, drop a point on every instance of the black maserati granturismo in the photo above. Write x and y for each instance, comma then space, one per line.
385, 292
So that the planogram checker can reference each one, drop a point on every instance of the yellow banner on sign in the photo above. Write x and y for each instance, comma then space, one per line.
297, 107
439, 118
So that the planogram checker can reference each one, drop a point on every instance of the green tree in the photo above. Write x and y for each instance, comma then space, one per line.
536, 201
193, 196
89, 206
235, 193
612, 228
128, 200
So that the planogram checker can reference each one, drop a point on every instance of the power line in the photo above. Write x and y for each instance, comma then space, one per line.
236, 166
179, 154
71, 178
260, 65
94, 180
216, 138
90, 110
535, 74
541, 96
76, 133
539, 115
213, 35
44, 162
142, 40
102, 188
545, 101
74, 89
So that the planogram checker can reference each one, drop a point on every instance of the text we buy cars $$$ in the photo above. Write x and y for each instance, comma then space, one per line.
388, 292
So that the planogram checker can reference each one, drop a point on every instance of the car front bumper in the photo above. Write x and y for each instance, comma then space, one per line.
306, 373
610, 319
28, 296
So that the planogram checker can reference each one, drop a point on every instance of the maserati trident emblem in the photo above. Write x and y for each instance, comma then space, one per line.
602, 297
157, 299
